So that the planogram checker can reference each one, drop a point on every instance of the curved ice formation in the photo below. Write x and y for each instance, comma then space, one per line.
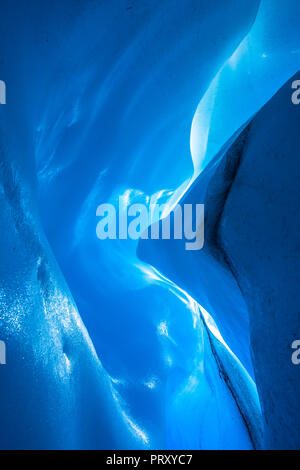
100, 101
265, 59
251, 193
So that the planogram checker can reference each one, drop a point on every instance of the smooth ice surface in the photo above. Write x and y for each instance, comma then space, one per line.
259, 232
265, 59
251, 194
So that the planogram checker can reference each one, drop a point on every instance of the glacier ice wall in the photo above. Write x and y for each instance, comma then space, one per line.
100, 102
247, 273
259, 233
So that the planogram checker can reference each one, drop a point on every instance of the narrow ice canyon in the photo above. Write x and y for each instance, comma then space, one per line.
141, 344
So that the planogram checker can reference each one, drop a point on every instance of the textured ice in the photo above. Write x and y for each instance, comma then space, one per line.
251, 194
100, 101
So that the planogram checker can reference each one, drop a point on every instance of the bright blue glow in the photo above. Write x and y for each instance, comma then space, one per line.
107, 99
